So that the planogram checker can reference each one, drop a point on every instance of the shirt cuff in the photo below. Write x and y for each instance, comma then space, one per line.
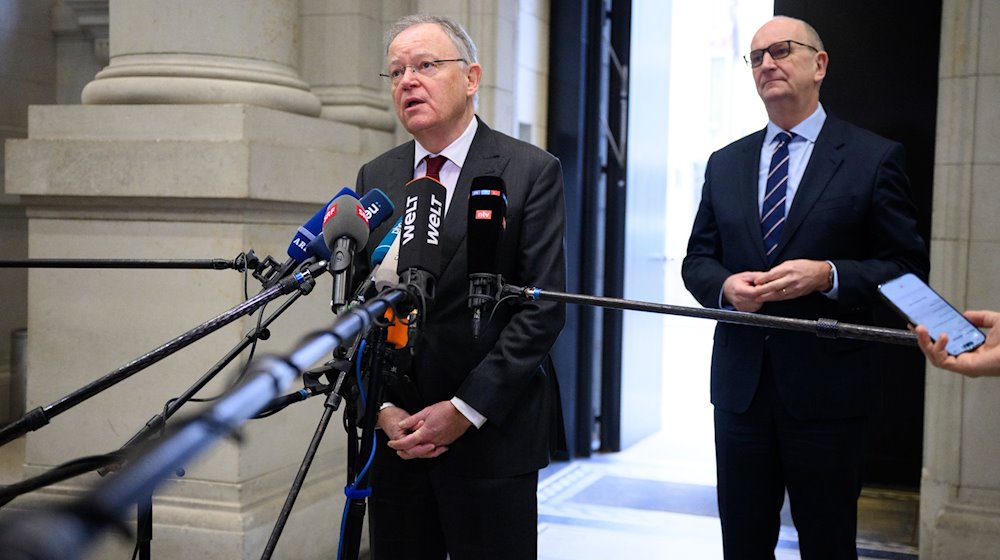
472, 414
723, 304
835, 288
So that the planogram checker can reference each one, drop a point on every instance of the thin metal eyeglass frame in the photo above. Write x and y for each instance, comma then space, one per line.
395, 81
748, 58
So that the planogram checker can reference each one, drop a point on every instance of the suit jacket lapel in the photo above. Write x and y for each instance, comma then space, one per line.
823, 164
747, 193
484, 158
401, 172
391, 179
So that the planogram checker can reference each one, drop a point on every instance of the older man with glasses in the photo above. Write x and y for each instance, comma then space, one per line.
458, 454
804, 219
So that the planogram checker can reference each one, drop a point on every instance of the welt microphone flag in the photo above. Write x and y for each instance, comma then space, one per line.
420, 234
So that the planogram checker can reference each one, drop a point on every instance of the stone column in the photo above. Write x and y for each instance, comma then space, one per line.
27, 75
960, 489
342, 56
198, 141
184, 51
80, 28
493, 25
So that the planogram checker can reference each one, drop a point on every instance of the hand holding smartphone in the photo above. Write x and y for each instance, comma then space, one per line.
919, 304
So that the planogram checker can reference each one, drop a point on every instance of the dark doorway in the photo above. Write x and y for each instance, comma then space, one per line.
884, 76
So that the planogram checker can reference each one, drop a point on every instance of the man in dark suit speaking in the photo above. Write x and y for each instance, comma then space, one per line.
456, 467
802, 219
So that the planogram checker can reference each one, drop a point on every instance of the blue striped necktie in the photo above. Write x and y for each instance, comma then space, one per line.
772, 214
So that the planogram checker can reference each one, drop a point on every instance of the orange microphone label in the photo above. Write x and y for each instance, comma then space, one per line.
397, 334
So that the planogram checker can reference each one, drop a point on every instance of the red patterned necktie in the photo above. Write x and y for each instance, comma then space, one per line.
434, 165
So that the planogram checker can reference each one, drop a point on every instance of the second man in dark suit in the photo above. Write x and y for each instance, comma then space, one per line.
802, 219
456, 467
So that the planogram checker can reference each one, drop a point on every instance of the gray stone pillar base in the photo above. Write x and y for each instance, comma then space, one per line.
200, 79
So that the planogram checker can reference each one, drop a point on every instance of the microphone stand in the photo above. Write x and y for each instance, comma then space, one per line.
106, 463
40, 416
483, 288
359, 450
113, 461
240, 263
329, 407
358, 473
144, 508
418, 285
822, 328
63, 533
157, 422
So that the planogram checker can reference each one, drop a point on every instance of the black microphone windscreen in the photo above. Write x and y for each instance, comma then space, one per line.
423, 216
486, 224
345, 218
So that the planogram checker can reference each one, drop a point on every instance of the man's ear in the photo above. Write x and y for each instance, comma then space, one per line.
473, 74
822, 61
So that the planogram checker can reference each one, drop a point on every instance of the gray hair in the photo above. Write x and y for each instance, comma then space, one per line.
459, 37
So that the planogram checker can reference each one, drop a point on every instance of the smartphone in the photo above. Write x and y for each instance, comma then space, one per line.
919, 304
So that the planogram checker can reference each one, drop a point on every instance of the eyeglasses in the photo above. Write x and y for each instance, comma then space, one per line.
778, 50
426, 68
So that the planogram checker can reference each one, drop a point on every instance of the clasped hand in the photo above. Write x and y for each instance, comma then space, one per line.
423, 435
749, 291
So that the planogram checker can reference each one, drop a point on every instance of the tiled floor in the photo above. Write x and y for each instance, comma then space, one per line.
630, 505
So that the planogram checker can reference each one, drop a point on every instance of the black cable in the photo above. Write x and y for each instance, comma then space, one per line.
58, 473
497, 306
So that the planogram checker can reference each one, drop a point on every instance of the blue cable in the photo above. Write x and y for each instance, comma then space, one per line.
351, 491
357, 371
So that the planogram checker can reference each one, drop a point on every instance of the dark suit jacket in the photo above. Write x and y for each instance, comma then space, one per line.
853, 208
500, 375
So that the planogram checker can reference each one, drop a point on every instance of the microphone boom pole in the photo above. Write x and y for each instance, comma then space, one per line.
66, 532
238, 264
40, 416
823, 328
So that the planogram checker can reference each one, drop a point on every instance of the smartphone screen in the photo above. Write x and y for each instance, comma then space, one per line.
921, 305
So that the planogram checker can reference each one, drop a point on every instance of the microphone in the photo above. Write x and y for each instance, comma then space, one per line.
299, 248
487, 221
345, 228
386, 275
383, 247
377, 207
420, 236
382, 275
